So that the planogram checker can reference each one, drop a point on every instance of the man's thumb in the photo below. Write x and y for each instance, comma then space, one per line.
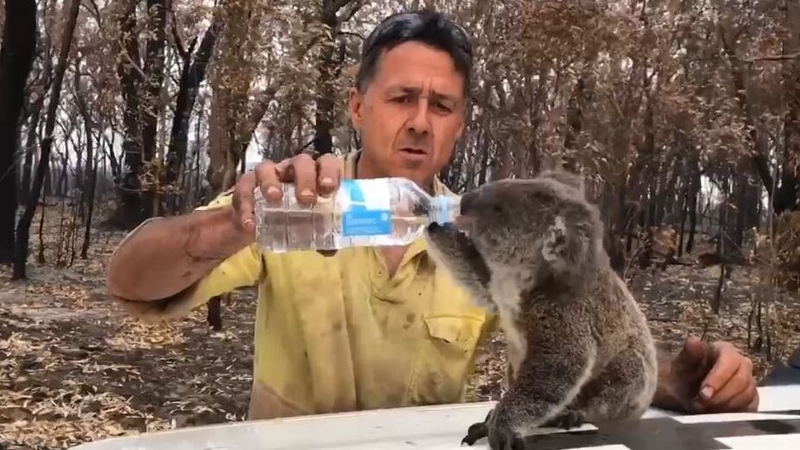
694, 351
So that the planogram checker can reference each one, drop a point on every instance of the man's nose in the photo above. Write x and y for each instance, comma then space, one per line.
419, 121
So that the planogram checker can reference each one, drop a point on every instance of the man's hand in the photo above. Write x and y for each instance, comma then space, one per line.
708, 378
311, 178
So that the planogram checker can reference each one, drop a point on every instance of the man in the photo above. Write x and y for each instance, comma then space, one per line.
365, 328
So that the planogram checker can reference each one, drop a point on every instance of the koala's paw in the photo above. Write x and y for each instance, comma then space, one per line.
477, 431
566, 420
457, 253
502, 437
437, 230
450, 242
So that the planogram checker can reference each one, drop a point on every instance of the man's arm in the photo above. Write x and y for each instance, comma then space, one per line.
169, 265
165, 257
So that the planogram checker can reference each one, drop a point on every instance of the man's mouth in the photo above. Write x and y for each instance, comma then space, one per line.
413, 151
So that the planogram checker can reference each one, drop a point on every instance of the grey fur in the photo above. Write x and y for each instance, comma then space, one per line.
579, 346
570, 179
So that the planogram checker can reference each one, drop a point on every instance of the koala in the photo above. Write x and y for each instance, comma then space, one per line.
579, 347
568, 178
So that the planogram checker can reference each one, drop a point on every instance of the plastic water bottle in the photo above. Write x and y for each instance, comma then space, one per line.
362, 212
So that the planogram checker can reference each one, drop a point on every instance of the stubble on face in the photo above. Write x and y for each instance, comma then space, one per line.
410, 115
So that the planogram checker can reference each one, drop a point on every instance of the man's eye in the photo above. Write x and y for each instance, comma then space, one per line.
402, 99
443, 107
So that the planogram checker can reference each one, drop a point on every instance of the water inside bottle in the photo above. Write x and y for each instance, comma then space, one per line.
292, 226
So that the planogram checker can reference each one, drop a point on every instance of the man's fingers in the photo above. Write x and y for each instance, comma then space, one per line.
726, 365
305, 178
744, 401
243, 201
328, 173
753, 406
285, 170
735, 393
267, 179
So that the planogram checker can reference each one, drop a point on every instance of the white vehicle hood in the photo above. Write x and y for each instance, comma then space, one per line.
443, 427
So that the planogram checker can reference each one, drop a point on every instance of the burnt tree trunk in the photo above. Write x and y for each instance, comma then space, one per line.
16, 58
36, 107
154, 63
192, 75
323, 142
664, 203
24, 225
236, 150
786, 197
694, 193
141, 82
30, 149
129, 206
684, 205
648, 163
740, 200
89, 181
737, 70
574, 124
329, 69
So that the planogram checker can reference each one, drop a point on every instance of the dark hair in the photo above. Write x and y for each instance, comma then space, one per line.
426, 26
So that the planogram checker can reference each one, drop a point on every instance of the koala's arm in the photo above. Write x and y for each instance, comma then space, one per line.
544, 386
464, 263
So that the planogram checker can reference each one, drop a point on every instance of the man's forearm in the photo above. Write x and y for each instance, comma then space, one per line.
168, 255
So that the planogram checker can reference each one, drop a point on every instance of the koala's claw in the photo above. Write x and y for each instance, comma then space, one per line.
501, 437
505, 439
478, 430
567, 420
436, 227
475, 432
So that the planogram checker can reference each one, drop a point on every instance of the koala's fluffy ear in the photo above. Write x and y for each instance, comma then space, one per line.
564, 248
566, 178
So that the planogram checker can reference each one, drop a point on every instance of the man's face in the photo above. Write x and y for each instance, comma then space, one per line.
411, 113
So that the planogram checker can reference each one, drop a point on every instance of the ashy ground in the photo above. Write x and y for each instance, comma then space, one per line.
74, 369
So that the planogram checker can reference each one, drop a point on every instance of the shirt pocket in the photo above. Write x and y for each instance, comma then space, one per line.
445, 358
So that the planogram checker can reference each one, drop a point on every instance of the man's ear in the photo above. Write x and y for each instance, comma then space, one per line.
460, 131
355, 105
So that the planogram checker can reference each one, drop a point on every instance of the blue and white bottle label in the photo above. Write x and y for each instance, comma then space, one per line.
366, 207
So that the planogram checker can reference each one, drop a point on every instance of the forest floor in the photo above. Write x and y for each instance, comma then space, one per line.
73, 368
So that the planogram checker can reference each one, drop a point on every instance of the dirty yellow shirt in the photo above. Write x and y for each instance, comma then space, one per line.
337, 334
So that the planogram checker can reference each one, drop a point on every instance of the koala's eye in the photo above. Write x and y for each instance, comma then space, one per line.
497, 208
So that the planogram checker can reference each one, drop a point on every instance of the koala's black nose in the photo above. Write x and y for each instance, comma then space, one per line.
467, 201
